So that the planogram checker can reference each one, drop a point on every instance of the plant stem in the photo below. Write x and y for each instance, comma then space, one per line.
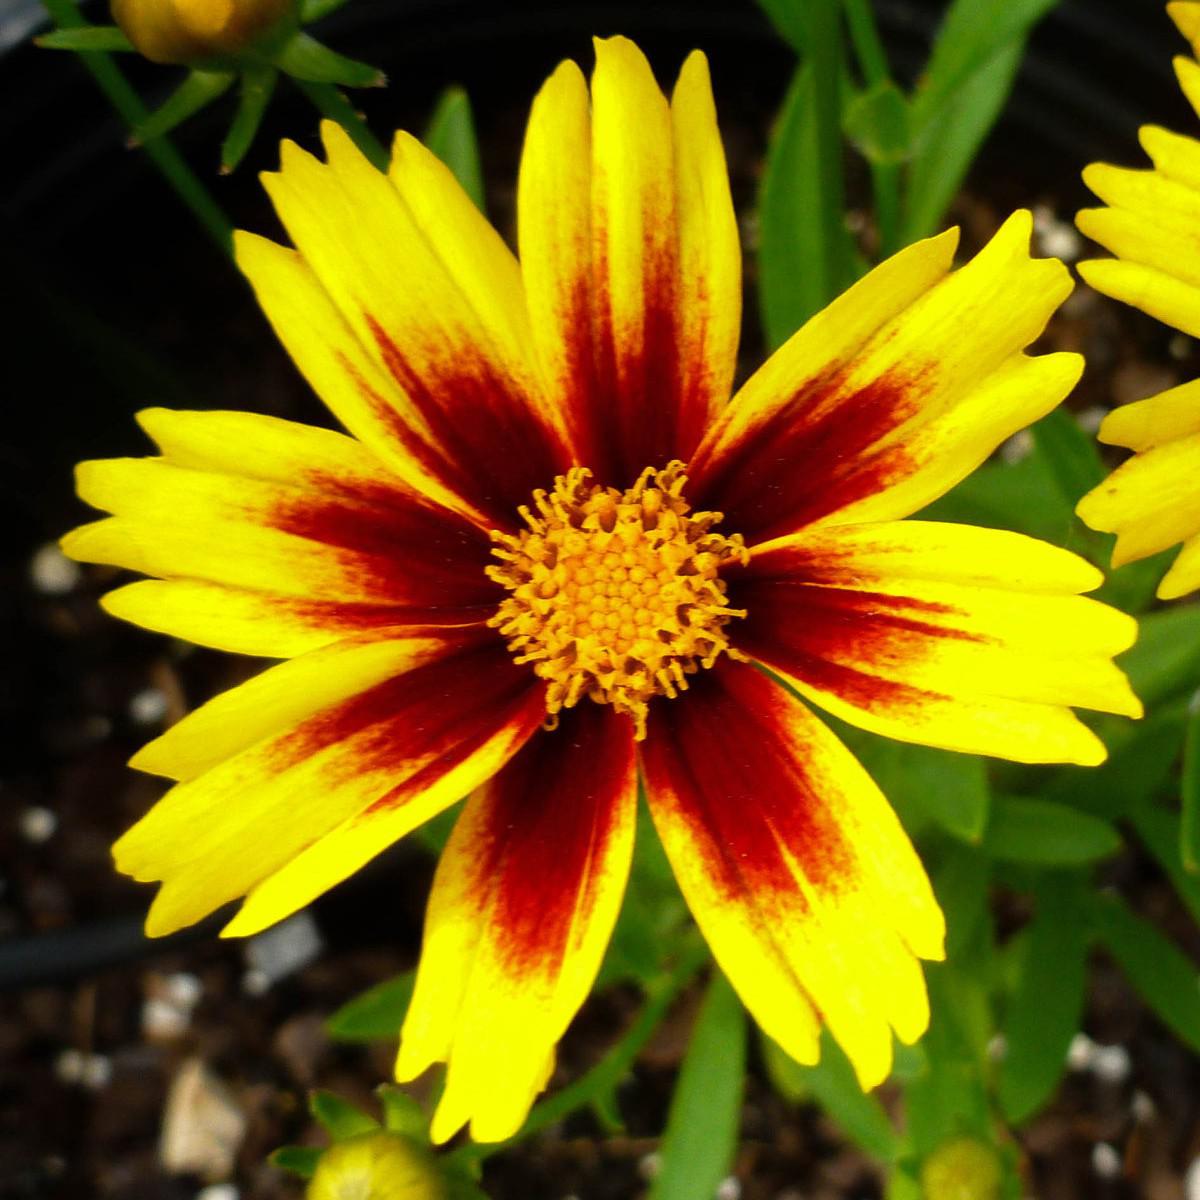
824, 58
885, 177
328, 100
161, 151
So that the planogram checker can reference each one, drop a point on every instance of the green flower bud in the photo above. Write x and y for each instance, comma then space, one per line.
376, 1166
195, 31
962, 1169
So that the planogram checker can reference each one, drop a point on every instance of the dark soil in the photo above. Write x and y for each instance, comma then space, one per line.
121, 303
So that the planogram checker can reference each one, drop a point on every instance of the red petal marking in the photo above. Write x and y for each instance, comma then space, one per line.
812, 632
716, 758
443, 710
808, 458
429, 559
550, 814
494, 450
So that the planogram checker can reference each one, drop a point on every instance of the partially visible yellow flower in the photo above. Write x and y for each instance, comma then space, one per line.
962, 1169
1152, 225
545, 565
192, 31
376, 1166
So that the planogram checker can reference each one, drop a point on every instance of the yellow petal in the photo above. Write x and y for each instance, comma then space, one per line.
795, 868
1160, 295
1156, 420
523, 904
1184, 575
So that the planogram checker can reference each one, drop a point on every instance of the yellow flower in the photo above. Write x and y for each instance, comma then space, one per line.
1152, 224
550, 533
376, 1166
190, 31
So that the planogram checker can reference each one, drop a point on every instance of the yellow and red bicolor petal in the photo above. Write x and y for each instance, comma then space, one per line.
523, 904
294, 780
951, 636
796, 869
892, 394
274, 538
406, 312
629, 251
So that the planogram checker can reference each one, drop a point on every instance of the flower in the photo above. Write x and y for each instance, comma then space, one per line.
376, 1166
1152, 501
546, 501
191, 31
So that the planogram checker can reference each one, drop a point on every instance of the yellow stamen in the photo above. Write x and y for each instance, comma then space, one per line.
615, 595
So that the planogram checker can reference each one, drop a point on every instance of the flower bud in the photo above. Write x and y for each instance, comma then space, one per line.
376, 1166
962, 1169
193, 31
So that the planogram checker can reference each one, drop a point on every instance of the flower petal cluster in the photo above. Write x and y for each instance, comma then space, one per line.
529, 413
1152, 225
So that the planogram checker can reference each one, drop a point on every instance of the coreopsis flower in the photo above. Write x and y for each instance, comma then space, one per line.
376, 1166
553, 557
194, 31
1152, 501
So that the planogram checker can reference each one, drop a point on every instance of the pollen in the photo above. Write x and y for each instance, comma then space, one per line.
615, 596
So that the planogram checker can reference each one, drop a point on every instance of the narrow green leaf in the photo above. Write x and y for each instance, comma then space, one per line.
706, 1107
806, 254
832, 1084
1049, 834
1189, 831
402, 1113
85, 37
788, 18
1158, 830
305, 58
1165, 661
314, 10
199, 89
946, 145
376, 1013
1162, 974
339, 1118
1070, 453
298, 1160
877, 123
451, 136
257, 86
1046, 1007
903, 1185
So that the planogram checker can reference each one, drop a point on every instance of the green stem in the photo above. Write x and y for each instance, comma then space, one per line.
885, 177
329, 102
824, 59
161, 151
611, 1069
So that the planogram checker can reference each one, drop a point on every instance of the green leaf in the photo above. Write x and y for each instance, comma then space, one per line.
1159, 832
1046, 1007
314, 10
947, 144
1162, 974
376, 1013
85, 38
305, 58
832, 1084
702, 1125
1070, 453
256, 89
451, 136
1049, 834
1165, 661
299, 1160
877, 123
806, 255
961, 882
903, 1185
402, 1113
788, 18
1189, 833
339, 1118
199, 89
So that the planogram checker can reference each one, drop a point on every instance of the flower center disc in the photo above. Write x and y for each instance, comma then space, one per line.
615, 595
